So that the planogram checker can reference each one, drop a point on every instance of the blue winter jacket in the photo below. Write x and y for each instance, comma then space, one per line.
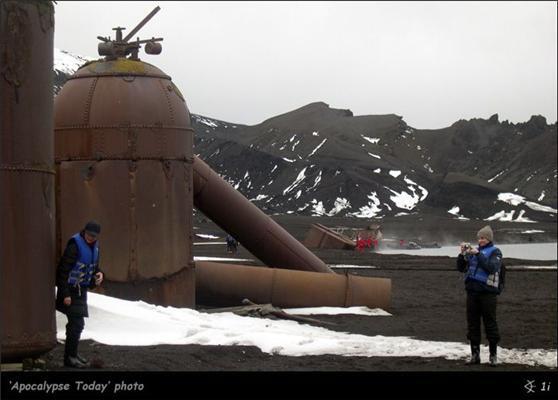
482, 269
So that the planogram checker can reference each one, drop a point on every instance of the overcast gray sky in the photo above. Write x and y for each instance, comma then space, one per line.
431, 62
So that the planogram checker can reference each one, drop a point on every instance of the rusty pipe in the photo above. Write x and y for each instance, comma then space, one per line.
234, 213
226, 285
322, 237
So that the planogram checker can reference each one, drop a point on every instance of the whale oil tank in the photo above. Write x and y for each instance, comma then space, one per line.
27, 208
123, 152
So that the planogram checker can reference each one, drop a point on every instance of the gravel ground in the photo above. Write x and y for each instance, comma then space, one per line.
428, 302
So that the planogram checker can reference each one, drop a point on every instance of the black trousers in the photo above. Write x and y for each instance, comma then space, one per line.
74, 327
482, 306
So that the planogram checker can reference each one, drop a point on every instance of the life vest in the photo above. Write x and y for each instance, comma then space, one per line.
479, 274
86, 262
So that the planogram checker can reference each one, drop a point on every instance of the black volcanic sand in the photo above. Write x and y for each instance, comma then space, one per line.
428, 303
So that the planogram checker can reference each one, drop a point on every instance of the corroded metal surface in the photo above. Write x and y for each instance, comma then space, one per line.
320, 236
262, 236
123, 148
27, 209
177, 289
227, 285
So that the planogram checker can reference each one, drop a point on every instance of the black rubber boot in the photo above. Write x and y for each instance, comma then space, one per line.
475, 355
493, 354
73, 362
82, 359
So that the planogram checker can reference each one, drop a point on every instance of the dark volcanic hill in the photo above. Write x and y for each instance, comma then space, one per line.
317, 160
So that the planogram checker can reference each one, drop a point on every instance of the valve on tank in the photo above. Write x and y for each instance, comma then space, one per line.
122, 47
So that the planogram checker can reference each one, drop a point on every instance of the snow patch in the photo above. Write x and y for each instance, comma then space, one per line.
317, 208
371, 140
205, 121
317, 148
515, 200
68, 63
412, 184
300, 177
205, 236
260, 197
497, 175
508, 217
455, 211
120, 322
404, 200
316, 181
337, 311
339, 205
371, 209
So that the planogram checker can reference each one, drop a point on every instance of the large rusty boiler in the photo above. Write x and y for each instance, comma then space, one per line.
27, 207
123, 152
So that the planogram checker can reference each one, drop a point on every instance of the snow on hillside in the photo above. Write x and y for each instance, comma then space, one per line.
68, 63
330, 164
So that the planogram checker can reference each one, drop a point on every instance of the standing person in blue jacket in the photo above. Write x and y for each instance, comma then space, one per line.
77, 271
482, 282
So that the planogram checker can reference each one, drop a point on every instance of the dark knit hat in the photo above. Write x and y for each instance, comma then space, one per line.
93, 228
486, 233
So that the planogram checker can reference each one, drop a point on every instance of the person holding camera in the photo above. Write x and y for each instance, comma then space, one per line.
482, 267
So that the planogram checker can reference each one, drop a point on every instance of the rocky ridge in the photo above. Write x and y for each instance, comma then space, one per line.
321, 161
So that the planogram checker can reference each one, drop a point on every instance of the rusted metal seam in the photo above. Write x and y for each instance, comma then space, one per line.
133, 268
272, 291
26, 168
115, 126
169, 104
126, 158
98, 74
88, 102
347, 288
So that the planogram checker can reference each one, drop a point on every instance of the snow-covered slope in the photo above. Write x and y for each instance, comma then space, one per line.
65, 64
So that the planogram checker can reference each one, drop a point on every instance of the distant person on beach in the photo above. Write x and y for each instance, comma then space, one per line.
482, 267
232, 244
77, 271
360, 244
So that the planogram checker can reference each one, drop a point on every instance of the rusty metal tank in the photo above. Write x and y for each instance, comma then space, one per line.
123, 152
27, 208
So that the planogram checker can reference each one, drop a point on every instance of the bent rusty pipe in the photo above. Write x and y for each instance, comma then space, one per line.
262, 236
226, 285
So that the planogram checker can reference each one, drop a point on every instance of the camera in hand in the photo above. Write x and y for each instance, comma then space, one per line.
466, 248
